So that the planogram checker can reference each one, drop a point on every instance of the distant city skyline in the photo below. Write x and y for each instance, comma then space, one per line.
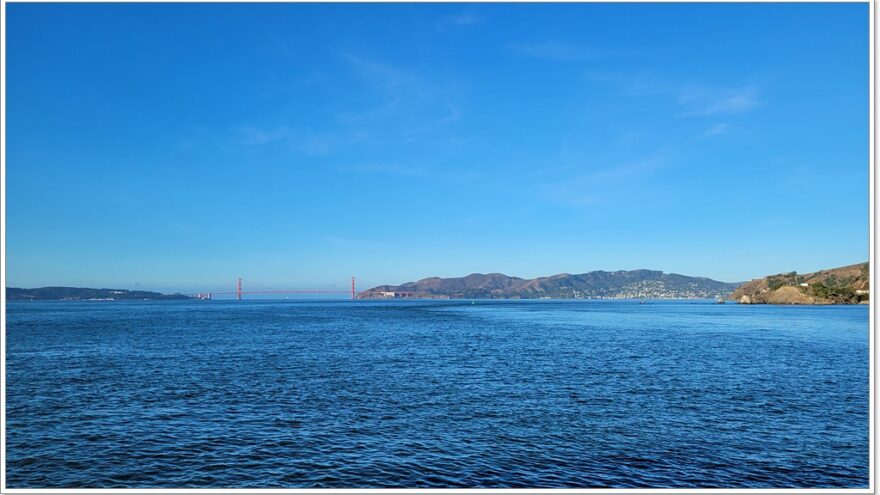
176, 147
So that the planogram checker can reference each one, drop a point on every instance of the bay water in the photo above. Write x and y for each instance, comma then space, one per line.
432, 394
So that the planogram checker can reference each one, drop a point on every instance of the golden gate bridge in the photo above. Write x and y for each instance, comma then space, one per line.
238, 292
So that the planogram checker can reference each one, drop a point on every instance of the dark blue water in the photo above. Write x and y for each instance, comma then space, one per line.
436, 394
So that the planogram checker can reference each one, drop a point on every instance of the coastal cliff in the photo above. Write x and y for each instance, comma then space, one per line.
844, 285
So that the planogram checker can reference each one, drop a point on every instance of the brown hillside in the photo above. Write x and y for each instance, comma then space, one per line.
844, 285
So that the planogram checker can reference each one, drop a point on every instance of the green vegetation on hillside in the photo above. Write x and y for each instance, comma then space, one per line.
777, 281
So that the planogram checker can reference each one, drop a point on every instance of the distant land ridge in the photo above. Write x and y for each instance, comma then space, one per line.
843, 285
621, 284
85, 294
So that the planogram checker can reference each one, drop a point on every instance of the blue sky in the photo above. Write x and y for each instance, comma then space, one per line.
179, 146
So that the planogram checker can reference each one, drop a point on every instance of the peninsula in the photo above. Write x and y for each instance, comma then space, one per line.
85, 294
621, 284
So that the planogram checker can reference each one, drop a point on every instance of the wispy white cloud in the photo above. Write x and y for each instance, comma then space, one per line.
552, 50
801, 177
309, 142
406, 103
606, 77
450, 175
327, 143
716, 129
460, 19
617, 182
702, 101
695, 99
390, 169
253, 136
385, 76
395, 106
354, 243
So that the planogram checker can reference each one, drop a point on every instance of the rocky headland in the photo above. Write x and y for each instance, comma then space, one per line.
844, 285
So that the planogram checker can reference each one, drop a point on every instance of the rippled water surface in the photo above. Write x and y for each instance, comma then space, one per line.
435, 394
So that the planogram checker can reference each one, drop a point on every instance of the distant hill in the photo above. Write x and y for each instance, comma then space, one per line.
84, 294
633, 284
844, 285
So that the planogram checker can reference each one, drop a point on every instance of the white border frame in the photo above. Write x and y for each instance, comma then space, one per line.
872, 12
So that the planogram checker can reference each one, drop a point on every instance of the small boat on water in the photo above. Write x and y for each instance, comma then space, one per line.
719, 300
